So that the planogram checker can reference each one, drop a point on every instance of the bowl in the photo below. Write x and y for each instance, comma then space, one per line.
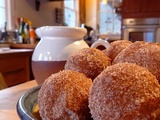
27, 106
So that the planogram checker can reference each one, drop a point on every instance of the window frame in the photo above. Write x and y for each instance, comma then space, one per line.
76, 9
98, 18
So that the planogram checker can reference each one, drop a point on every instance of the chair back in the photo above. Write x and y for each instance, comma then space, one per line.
2, 82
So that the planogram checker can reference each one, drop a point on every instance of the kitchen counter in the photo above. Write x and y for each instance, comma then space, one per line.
9, 98
18, 45
8, 50
22, 46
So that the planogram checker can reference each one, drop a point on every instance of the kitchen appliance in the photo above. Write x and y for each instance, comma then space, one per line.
141, 29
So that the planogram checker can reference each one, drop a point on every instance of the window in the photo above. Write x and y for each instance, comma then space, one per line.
2, 14
109, 22
7, 14
70, 13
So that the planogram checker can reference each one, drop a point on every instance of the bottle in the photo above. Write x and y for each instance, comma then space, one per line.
26, 33
32, 35
4, 33
21, 31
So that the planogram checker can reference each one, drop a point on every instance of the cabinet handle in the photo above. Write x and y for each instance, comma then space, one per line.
12, 72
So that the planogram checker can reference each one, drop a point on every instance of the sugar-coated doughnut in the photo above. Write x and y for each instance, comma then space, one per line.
142, 53
125, 91
64, 96
116, 47
89, 61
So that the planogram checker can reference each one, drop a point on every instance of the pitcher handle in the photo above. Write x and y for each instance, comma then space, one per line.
101, 42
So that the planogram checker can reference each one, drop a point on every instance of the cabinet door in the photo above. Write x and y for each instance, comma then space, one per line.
152, 6
131, 6
15, 67
140, 8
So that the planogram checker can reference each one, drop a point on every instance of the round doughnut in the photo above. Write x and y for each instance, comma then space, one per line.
64, 96
90, 61
142, 53
125, 91
116, 47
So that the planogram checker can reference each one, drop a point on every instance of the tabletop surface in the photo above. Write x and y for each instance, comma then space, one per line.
8, 50
9, 98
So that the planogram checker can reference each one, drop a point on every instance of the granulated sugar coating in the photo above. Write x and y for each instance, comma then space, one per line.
143, 54
116, 47
89, 61
64, 96
125, 91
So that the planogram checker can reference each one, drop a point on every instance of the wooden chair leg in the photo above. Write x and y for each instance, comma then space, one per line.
2, 82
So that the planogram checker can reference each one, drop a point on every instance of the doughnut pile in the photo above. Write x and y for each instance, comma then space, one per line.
89, 61
116, 47
64, 96
125, 91
119, 83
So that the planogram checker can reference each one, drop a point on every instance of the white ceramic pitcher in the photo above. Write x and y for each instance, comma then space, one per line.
56, 44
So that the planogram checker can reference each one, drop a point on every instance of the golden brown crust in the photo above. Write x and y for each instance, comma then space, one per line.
64, 95
143, 54
116, 48
89, 61
125, 91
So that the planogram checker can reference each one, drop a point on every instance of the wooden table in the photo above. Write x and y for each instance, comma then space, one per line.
9, 98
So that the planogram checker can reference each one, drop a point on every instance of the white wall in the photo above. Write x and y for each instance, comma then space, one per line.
91, 13
45, 16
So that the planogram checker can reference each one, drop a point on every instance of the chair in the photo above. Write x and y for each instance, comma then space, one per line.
2, 82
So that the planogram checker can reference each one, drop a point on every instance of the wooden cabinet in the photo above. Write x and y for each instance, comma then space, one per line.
140, 8
152, 7
15, 66
130, 6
